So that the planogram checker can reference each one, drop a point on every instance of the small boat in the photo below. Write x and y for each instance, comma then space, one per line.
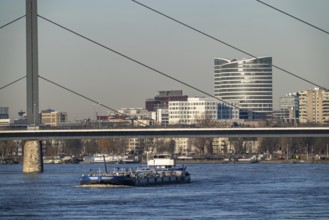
252, 159
100, 157
160, 170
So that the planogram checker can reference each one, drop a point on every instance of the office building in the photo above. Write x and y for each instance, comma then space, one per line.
193, 111
289, 107
247, 83
53, 118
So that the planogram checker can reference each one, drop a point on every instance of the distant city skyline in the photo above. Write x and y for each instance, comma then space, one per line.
158, 42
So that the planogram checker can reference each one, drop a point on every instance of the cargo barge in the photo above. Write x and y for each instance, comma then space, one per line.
160, 170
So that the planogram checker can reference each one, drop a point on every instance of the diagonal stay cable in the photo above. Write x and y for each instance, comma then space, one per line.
12, 82
135, 61
227, 44
13, 21
85, 97
294, 17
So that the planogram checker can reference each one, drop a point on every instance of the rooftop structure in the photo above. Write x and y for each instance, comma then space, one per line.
161, 101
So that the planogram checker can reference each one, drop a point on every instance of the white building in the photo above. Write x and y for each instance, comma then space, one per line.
135, 113
193, 111
197, 110
161, 116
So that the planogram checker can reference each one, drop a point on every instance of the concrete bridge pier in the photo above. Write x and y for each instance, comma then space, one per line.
32, 158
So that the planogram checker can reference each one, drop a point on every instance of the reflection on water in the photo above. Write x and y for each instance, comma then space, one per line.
217, 191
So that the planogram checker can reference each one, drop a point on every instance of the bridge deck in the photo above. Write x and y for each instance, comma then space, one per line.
163, 132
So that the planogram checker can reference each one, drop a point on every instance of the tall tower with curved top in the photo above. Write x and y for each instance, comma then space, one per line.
247, 83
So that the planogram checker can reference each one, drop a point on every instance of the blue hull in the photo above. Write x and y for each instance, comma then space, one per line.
103, 179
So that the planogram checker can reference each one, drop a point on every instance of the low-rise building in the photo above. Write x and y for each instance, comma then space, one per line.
53, 118
135, 113
200, 110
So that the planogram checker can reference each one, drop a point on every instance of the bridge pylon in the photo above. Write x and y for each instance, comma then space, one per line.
32, 72
32, 160
32, 157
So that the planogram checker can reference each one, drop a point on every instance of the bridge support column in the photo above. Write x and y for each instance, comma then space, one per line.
32, 158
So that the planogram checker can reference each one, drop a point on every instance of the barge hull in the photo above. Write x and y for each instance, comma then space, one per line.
129, 181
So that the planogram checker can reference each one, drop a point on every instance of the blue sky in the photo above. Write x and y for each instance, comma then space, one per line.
158, 42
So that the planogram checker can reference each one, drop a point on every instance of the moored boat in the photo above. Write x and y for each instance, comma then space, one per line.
100, 157
160, 170
252, 159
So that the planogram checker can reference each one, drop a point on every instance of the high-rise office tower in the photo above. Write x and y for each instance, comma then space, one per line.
246, 83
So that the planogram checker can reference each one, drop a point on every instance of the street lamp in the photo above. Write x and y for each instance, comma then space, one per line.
34, 107
99, 119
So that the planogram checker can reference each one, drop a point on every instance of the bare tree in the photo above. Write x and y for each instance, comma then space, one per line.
205, 120
72, 147
7, 148
165, 146
268, 144
148, 145
204, 145
237, 145
89, 146
114, 145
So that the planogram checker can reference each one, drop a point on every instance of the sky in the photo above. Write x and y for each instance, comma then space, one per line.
158, 42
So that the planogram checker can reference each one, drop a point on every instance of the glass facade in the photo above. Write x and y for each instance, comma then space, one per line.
247, 82
4, 112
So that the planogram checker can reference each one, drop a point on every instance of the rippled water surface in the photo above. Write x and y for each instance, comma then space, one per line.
217, 191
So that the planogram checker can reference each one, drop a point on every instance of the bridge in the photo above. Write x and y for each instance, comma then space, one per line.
164, 132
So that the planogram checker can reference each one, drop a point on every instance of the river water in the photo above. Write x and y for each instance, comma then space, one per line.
217, 191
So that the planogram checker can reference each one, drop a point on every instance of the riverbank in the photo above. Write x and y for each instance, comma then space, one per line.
246, 162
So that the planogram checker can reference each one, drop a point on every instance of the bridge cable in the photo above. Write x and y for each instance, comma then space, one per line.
307, 23
138, 62
227, 44
85, 97
12, 22
12, 82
